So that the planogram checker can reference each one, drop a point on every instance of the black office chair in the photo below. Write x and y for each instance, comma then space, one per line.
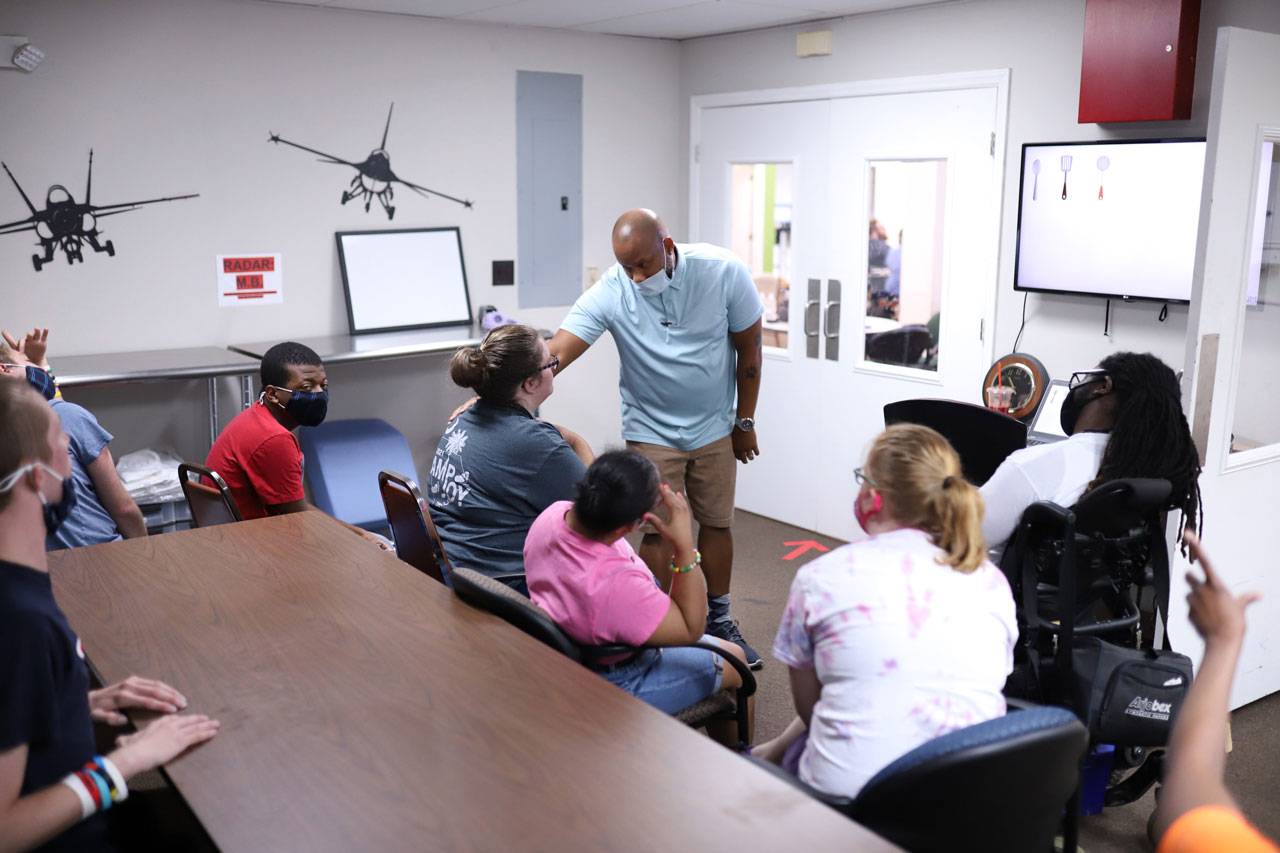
1081, 572
210, 504
493, 596
414, 534
905, 346
996, 786
981, 437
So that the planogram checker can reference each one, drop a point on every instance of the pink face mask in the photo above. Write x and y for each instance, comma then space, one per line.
863, 517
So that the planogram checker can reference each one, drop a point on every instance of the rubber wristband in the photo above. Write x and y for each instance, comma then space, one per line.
73, 781
120, 791
99, 778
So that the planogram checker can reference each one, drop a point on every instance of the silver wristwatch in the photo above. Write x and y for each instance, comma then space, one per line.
744, 424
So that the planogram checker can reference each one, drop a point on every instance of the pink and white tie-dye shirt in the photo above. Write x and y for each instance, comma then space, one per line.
906, 649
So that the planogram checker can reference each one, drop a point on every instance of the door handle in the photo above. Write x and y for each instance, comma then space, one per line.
811, 313
829, 323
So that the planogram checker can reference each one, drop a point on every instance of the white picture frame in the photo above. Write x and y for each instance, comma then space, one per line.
402, 279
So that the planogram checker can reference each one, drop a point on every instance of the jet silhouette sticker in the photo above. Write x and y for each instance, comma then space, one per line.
373, 175
67, 225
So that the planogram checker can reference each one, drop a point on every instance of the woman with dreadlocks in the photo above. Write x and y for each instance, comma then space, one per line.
1122, 419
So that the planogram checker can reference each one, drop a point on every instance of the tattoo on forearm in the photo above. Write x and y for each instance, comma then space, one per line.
753, 372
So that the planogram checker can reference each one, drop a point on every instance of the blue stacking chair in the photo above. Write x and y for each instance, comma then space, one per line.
1003, 786
343, 460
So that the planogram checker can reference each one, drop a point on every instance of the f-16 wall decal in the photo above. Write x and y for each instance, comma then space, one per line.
67, 225
374, 177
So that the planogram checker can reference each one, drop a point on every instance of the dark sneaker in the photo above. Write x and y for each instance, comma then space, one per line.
727, 629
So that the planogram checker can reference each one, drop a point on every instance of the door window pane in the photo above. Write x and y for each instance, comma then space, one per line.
761, 237
1257, 403
905, 262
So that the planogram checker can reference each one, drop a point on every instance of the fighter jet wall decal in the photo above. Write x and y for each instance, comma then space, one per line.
67, 225
374, 177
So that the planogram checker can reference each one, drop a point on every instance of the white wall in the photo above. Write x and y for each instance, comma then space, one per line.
1040, 41
178, 96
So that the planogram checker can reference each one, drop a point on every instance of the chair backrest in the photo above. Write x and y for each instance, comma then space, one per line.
417, 542
981, 437
905, 345
493, 596
210, 504
1062, 563
343, 458
995, 786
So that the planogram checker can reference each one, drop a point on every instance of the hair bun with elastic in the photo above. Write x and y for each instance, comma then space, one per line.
469, 368
948, 481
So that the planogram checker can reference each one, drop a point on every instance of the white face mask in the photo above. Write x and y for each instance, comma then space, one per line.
654, 284
659, 281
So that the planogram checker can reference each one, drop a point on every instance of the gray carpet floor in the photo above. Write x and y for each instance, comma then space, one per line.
761, 581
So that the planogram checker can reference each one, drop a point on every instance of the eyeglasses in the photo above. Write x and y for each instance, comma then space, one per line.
1084, 377
861, 478
554, 364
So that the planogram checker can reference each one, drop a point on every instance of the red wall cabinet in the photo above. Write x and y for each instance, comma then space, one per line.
1139, 61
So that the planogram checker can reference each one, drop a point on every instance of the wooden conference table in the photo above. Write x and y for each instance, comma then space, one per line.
364, 707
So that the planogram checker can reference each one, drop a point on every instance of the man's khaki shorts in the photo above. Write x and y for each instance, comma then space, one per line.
707, 475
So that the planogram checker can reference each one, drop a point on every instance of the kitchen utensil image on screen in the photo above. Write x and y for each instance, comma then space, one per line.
1035, 182
1066, 167
1104, 163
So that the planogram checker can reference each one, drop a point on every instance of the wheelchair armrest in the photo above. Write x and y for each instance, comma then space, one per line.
748, 678
1046, 511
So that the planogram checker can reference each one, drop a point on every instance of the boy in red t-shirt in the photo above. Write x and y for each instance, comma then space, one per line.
257, 454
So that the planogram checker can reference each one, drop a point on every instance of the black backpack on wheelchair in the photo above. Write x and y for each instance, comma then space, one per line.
1088, 582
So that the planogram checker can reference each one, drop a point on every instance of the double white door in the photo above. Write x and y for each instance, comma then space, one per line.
885, 207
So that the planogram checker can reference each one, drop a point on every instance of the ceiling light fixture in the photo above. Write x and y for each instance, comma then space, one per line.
24, 55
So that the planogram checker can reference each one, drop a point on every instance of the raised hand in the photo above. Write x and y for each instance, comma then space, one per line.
106, 704
33, 346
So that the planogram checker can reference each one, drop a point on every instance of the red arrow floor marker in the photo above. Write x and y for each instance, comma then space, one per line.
803, 547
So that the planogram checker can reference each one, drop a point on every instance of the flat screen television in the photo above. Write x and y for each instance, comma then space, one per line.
1116, 219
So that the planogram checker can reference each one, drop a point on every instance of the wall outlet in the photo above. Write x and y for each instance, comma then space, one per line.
593, 275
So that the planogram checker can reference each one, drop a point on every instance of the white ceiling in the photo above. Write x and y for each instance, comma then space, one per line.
670, 19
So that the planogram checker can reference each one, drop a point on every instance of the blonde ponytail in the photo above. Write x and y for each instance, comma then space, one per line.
918, 473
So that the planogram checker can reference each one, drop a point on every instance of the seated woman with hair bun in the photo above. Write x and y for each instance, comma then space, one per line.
902, 637
586, 576
497, 465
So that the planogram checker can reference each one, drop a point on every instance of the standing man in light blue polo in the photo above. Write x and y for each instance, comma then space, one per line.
687, 322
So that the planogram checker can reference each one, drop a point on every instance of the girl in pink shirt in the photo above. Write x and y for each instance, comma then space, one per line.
585, 575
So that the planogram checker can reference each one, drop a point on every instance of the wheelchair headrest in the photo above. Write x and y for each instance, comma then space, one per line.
1118, 506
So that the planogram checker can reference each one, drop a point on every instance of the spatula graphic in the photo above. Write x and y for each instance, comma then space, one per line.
1066, 167
1104, 163
1035, 183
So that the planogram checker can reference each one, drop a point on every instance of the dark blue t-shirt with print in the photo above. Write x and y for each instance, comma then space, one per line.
496, 469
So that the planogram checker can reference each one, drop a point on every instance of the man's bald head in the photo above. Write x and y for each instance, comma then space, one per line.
642, 245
